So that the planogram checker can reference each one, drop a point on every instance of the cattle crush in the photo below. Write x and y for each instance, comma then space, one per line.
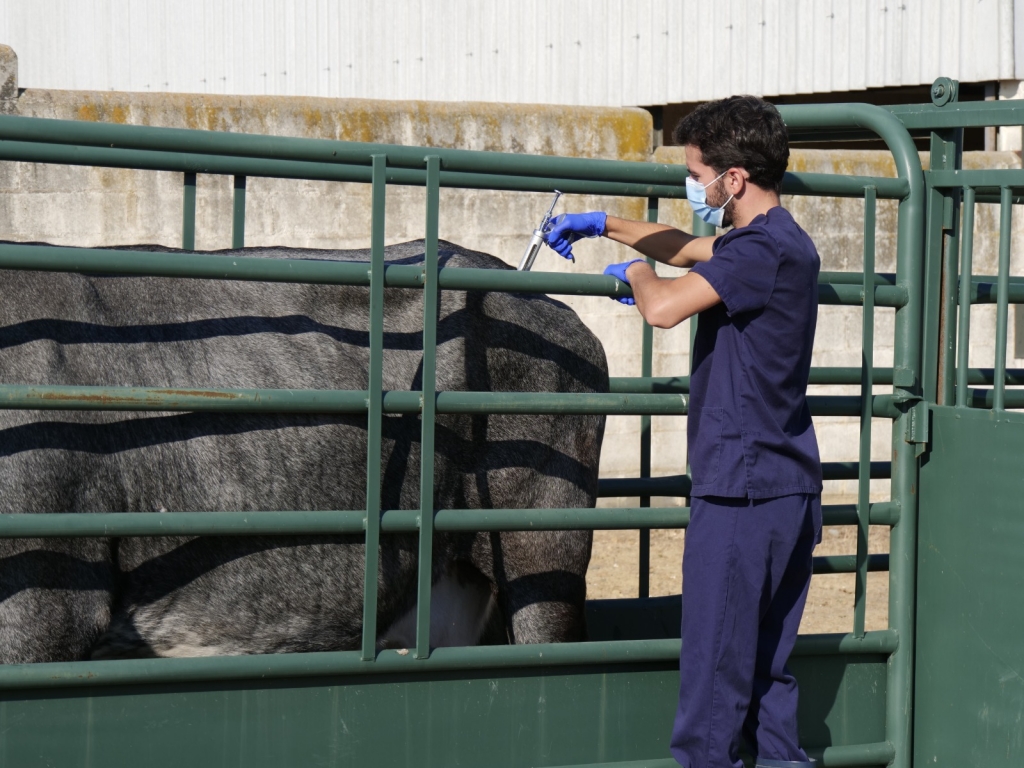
942, 685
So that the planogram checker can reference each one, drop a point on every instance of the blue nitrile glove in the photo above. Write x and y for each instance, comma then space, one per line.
619, 271
566, 229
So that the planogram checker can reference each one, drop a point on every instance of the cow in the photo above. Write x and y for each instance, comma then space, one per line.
173, 596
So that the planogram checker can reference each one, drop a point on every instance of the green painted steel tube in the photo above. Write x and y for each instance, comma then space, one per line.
853, 295
1003, 295
867, 376
849, 405
124, 524
431, 296
106, 135
856, 278
214, 266
879, 513
855, 755
67, 398
248, 268
959, 114
75, 398
544, 402
600, 519
848, 564
833, 185
985, 398
665, 653
986, 291
1012, 376
375, 410
964, 313
322, 171
332, 664
879, 642
646, 363
993, 179
188, 212
655, 762
238, 213
679, 485
205, 148
833, 375
289, 523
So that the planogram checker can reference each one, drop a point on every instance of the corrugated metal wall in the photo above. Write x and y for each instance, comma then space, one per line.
589, 52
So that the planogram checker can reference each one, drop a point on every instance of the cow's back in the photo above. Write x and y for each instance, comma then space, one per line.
248, 594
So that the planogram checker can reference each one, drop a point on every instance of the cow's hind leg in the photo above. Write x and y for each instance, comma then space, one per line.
542, 588
55, 598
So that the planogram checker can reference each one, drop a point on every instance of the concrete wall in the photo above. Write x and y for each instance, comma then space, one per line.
95, 207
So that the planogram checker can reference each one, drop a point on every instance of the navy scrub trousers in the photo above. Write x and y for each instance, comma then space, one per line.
746, 571
756, 496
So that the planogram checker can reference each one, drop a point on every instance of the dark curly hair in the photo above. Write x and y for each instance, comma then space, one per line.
739, 132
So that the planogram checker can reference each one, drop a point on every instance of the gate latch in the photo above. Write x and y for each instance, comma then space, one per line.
917, 426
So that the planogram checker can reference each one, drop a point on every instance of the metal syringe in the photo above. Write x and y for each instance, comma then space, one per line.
530, 254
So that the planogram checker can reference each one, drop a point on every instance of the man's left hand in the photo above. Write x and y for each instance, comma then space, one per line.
619, 271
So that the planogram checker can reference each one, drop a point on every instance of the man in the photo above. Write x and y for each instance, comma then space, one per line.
756, 498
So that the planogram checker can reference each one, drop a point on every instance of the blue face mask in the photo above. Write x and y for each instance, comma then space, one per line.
697, 194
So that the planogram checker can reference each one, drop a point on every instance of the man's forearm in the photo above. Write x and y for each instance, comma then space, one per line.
659, 241
666, 302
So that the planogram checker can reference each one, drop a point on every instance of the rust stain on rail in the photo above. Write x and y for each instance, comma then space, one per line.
199, 393
115, 399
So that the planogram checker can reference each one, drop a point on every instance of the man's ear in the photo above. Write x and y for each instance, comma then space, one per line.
736, 180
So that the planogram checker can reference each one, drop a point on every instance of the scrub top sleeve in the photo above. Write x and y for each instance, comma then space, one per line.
743, 270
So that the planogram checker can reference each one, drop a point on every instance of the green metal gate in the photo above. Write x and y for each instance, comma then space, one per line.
606, 701
969, 693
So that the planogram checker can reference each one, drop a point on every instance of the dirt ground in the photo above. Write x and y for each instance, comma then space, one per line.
614, 567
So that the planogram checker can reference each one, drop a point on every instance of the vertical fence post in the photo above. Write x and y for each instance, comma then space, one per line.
942, 246
646, 366
867, 391
375, 409
964, 315
1002, 297
188, 213
238, 214
700, 229
430, 316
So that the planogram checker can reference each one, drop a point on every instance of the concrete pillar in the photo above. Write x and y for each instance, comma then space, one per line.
1010, 135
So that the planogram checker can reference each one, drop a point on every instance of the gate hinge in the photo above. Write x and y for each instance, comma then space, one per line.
917, 426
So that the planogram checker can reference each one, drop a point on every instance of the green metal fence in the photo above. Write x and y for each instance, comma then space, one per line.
874, 669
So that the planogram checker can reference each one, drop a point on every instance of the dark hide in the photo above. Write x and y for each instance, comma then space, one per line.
102, 598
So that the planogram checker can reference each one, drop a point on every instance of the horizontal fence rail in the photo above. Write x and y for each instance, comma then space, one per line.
98, 524
879, 643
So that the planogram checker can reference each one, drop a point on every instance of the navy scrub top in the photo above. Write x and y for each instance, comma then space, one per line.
749, 430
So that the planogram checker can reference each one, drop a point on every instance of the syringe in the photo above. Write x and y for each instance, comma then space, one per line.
538, 239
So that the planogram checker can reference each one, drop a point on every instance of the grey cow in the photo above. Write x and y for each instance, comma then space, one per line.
63, 599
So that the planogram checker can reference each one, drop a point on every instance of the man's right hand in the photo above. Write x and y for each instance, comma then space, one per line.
570, 227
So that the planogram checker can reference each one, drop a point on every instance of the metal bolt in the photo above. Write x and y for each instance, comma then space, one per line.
938, 91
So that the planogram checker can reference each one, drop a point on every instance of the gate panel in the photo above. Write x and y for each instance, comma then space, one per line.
551, 716
970, 654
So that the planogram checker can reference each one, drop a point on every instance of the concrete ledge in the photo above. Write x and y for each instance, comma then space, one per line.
595, 132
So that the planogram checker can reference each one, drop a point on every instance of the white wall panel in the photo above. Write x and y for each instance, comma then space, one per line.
595, 52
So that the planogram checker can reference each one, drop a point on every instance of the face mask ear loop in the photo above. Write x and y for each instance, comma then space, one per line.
715, 179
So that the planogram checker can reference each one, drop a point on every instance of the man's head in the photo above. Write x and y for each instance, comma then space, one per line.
741, 137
